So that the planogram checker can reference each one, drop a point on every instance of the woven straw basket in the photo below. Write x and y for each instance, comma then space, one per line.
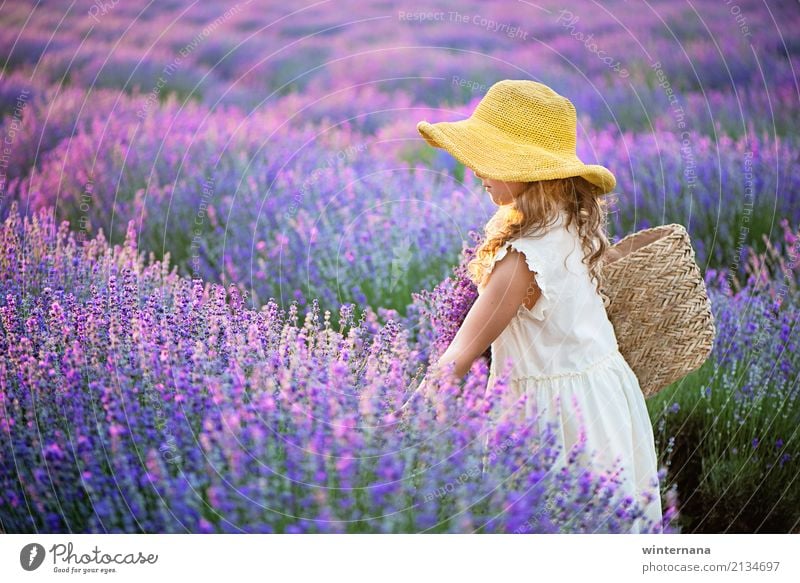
659, 306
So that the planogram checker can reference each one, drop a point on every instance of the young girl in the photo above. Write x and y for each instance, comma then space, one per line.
538, 273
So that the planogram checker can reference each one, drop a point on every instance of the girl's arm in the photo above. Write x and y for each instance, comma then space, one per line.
509, 284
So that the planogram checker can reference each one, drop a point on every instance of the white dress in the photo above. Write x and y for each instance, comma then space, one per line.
563, 352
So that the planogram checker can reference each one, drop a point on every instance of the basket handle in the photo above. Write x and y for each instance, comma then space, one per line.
634, 242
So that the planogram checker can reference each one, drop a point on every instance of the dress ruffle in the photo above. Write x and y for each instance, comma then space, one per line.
537, 265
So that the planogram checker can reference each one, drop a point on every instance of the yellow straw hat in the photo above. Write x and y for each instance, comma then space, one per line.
521, 131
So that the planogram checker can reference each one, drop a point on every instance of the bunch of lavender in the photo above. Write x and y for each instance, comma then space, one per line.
441, 311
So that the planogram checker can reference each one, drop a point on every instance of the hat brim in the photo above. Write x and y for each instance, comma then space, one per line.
486, 150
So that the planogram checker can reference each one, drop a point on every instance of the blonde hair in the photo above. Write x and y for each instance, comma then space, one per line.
536, 208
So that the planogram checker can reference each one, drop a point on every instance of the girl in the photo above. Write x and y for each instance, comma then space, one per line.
537, 270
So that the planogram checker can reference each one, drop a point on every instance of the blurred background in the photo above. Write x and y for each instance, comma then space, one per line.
289, 134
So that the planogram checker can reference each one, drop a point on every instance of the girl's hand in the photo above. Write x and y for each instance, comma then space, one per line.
424, 389
427, 387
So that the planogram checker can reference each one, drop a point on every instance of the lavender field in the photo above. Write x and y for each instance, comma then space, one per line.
227, 257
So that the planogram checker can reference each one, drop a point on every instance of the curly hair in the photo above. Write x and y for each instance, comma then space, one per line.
536, 208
